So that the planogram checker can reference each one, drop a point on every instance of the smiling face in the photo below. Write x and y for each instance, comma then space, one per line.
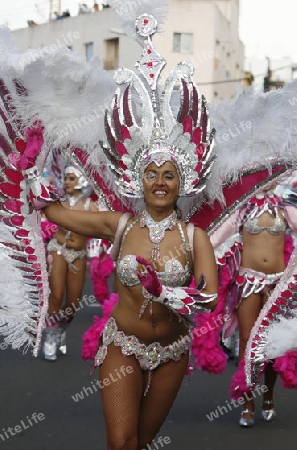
161, 186
70, 181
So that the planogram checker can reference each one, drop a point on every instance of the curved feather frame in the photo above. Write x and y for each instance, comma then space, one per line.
281, 306
23, 273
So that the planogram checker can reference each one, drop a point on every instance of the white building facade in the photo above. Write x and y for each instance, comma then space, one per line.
203, 32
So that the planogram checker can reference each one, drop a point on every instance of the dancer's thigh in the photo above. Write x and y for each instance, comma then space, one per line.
247, 314
166, 382
75, 282
121, 395
57, 282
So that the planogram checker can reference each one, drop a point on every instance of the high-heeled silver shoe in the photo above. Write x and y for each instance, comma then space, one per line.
268, 414
50, 343
62, 343
244, 422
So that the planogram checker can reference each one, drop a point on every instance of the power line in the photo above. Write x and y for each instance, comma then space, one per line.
236, 80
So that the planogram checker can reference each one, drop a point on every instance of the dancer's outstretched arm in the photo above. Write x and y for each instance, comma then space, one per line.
101, 225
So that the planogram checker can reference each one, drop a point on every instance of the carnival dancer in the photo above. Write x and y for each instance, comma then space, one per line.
156, 254
259, 238
148, 332
151, 166
67, 257
158, 163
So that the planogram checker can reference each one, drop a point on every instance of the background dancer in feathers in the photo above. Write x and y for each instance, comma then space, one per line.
67, 257
261, 231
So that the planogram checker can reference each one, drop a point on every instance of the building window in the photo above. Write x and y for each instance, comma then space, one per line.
111, 54
183, 42
89, 50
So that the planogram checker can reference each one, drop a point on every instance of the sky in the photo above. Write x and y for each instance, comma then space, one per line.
267, 28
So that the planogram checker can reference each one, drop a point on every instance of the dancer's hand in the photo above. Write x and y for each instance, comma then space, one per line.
149, 277
29, 148
38, 189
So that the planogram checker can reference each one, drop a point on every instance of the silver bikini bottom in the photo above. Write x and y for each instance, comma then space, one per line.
149, 356
254, 282
69, 254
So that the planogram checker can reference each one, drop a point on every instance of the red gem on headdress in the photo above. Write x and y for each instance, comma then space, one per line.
145, 21
196, 138
125, 133
149, 51
150, 64
200, 150
152, 75
125, 178
122, 165
121, 149
199, 167
188, 125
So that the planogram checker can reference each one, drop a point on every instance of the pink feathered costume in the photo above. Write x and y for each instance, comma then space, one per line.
227, 241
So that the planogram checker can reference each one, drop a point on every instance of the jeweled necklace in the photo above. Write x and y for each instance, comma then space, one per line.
73, 200
157, 230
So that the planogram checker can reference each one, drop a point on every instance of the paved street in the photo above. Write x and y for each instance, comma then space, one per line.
30, 385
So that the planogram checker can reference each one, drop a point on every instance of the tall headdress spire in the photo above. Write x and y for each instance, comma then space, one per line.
141, 126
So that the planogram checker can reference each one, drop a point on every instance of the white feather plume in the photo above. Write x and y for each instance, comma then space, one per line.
14, 305
282, 337
251, 129
67, 93
128, 11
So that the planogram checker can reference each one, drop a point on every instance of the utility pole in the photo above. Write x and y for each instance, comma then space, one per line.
267, 79
269, 84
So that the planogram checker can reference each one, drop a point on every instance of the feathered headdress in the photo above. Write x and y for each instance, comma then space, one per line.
157, 136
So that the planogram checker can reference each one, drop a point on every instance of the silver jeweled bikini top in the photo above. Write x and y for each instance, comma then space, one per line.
278, 228
174, 275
